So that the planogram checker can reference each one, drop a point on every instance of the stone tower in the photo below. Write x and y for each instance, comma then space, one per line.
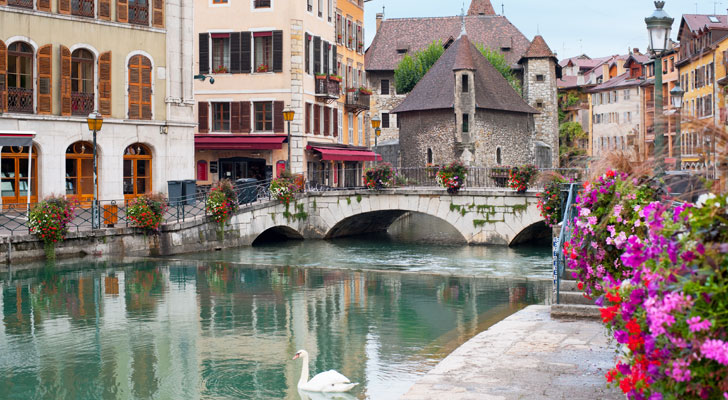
481, 7
540, 71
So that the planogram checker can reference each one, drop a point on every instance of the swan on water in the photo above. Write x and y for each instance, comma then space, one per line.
329, 381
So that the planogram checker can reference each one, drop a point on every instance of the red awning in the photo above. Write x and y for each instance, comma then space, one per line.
239, 142
219, 35
336, 154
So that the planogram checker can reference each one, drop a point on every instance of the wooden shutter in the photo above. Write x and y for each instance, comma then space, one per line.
246, 66
105, 10
277, 51
158, 13
316, 55
105, 84
44, 5
327, 117
203, 112
45, 73
316, 119
245, 116
122, 10
64, 6
3, 76
204, 53
235, 126
326, 58
308, 53
307, 116
66, 81
334, 61
336, 122
146, 75
235, 53
278, 117
140, 88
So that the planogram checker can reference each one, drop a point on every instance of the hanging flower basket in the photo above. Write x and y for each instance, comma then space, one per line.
379, 177
452, 176
147, 212
521, 177
49, 221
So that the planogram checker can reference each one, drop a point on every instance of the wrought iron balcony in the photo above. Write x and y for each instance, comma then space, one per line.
21, 3
327, 88
20, 100
139, 13
82, 103
356, 100
84, 8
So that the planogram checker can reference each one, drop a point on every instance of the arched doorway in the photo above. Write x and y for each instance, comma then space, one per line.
14, 175
137, 170
80, 172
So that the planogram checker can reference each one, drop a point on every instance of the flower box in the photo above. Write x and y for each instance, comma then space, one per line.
220, 69
261, 68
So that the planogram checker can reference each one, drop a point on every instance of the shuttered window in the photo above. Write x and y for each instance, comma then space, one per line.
316, 55
263, 116
20, 78
105, 84
203, 110
204, 53
316, 119
82, 82
45, 73
3, 72
327, 121
140, 88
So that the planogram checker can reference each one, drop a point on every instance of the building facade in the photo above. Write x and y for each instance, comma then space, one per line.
59, 61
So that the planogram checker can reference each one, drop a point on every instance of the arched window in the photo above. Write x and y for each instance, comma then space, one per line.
14, 175
80, 171
498, 158
137, 170
20, 78
202, 170
429, 156
140, 88
82, 82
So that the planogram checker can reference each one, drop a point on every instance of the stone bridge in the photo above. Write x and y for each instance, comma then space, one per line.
481, 216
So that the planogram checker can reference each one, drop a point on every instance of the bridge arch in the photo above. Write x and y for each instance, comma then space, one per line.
277, 233
537, 232
376, 221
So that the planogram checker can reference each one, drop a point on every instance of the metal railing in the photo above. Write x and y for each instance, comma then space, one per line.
82, 103
139, 13
565, 235
328, 87
20, 100
84, 8
21, 3
357, 100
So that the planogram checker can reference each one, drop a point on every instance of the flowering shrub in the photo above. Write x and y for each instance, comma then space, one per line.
379, 176
520, 177
147, 211
549, 202
49, 219
222, 201
283, 189
452, 176
665, 294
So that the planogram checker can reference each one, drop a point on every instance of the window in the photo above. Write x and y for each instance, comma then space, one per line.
309, 5
221, 117
221, 54
498, 156
84, 8
140, 88
139, 12
339, 29
263, 51
466, 125
80, 171
385, 120
320, 8
82, 82
263, 116
429, 156
261, 3
361, 131
540, 78
539, 104
308, 53
331, 10
14, 175
219, 1
340, 130
384, 86
351, 128
137, 170
465, 85
20, 78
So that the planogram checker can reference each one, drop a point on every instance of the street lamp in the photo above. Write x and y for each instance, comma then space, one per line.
95, 120
676, 94
659, 26
288, 117
376, 122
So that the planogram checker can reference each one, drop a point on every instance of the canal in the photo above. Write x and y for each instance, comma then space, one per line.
382, 310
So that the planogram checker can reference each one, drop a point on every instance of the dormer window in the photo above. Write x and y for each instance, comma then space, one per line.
466, 84
714, 19
505, 48
401, 51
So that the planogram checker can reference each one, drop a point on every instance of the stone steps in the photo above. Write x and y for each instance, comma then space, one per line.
575, 311
572, 303
574, 297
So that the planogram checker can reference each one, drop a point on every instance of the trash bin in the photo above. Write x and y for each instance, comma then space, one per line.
174, 189
247, 190
189, 192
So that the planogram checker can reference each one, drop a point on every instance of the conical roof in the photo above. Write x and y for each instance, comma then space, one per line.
481, 7
539, 49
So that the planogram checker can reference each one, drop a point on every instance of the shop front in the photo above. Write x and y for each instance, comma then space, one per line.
338, 166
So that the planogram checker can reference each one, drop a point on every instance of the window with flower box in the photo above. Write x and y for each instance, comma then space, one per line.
339, 29
221, 53
263, 48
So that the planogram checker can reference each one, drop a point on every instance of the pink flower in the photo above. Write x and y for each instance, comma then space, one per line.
715, 350
696, 325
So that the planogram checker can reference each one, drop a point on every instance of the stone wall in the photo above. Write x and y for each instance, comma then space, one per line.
542, 95
509, 132
433, 129
385, 103
297, 104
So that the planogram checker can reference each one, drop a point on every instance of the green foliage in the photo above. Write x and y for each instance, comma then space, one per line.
358, 198
222, 202
569, 135
566, 100
380, 176
147, 212
499, 62
49, 221
411, 69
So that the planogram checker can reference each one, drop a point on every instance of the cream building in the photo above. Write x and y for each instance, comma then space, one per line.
131, 61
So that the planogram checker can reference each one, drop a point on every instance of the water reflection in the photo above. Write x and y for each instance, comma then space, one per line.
222, 330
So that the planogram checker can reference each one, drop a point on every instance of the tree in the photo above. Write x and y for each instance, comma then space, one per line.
499, 62
569, 135
411, 69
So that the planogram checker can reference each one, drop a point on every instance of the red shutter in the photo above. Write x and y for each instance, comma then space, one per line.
203, 111
3, 76
278, 117
158, 13
307, 116
327, 113
316, 119
45, 74
235, 117
105, 10
65, 81
245, 116
64, 6
105, 84
336, 122
44, 5
122, 10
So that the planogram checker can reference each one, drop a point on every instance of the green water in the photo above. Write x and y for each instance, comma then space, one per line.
226, 324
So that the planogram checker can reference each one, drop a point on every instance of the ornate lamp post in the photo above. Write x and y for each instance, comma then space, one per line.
376, 122
676, 95
659, 26
95, 120
288, 115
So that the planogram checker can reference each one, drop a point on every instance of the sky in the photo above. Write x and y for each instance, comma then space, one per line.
570, 27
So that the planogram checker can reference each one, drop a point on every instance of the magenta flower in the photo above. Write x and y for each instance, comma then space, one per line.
696, 325
715, 350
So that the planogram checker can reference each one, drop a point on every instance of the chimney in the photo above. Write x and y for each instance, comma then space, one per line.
380, 16
636, 51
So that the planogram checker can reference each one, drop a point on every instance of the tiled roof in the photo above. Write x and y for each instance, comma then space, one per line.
539, 49
617, 82
567, 82
436, 90
414, 34
481, 7
696, 22
464, 58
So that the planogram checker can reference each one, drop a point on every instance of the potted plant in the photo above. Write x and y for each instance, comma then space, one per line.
336, 78
452, 176
338, 37
364, 90
283, 189
49, 221
262, 68
320, 76
220, 69
222, 202
549, 202
520, 177
379, 176
147, 212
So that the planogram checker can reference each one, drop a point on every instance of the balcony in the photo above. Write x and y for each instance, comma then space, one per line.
327, 88
357, 100
21, 3
20, 100
139, 13
82, 103
83, 8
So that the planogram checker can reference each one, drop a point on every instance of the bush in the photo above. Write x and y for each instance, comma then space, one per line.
379, 176
549, 201
147, 212
49, 219
283, 189
222, 202
520, 177
452, 176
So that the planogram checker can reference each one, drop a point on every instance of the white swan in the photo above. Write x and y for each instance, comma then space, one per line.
329, 381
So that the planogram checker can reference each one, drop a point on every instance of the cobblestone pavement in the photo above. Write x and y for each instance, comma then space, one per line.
526, 356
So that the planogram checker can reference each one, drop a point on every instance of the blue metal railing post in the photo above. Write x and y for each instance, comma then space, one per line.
565, 232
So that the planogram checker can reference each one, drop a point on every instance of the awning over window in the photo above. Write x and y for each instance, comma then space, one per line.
262, 34
238, 142
16, 138
339, 154
219, 35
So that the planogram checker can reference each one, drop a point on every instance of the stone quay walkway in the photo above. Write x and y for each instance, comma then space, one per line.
528, 355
